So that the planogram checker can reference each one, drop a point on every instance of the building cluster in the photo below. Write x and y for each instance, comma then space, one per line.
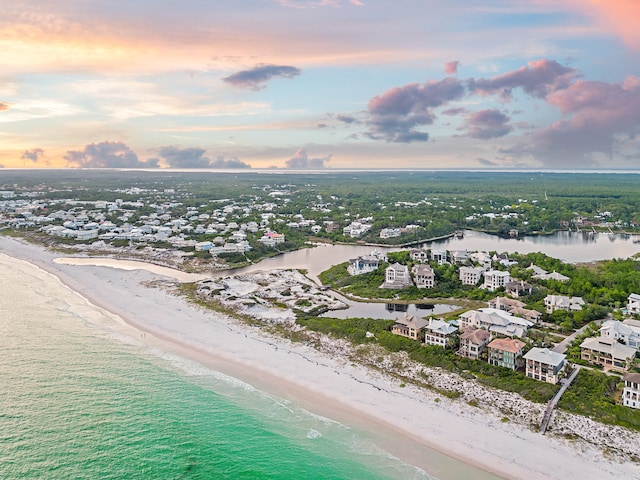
220, 226
489, 334
477, 269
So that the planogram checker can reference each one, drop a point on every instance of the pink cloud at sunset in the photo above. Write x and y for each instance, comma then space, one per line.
451, 68
618, 17
204, 85
538, 79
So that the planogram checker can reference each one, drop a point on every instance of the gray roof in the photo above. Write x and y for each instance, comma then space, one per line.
412, 321
612, 347
544, 355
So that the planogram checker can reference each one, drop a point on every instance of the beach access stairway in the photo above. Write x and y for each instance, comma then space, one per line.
546, 418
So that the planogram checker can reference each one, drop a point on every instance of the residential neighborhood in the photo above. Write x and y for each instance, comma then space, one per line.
515, 310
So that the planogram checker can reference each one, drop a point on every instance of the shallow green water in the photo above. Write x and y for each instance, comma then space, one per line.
79, 399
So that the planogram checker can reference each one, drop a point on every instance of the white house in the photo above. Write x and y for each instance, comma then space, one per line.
396, 276
494, 279
561, 302
438, 332
86, 234
470, 275
631, 392
363, 264
633, 304
481, 258
439, 256
203, 246
459, 256
390, 232
271, 239
495, 321
551, 276
621, 332
355, 229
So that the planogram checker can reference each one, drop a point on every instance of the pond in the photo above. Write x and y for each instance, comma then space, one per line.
388, 311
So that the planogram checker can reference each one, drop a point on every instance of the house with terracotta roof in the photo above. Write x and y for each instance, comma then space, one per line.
473, 343
631, 392
506, 352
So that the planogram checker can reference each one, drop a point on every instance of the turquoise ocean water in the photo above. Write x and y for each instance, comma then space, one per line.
80, 399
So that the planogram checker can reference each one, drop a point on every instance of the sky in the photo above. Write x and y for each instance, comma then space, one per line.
320, 84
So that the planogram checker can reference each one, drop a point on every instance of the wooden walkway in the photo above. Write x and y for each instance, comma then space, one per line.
546, 418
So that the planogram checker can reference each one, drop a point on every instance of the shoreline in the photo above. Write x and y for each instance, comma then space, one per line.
413, 421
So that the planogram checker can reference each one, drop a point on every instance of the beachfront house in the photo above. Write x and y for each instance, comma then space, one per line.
495, 279
562, 302
506, 352
544, 364
631, 392
423, 276
473, 342
409, 326
440, 333
633, 304
396, 276
470, 275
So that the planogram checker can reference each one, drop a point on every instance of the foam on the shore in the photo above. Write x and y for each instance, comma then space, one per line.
411, 420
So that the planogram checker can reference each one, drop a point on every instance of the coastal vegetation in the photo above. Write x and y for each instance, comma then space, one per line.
320, 207
362, 331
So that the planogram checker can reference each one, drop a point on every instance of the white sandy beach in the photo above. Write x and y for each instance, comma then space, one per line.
411, 418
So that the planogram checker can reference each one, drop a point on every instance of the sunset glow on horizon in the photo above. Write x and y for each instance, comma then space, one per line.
312, 84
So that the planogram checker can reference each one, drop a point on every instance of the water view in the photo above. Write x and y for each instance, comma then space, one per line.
572, 247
